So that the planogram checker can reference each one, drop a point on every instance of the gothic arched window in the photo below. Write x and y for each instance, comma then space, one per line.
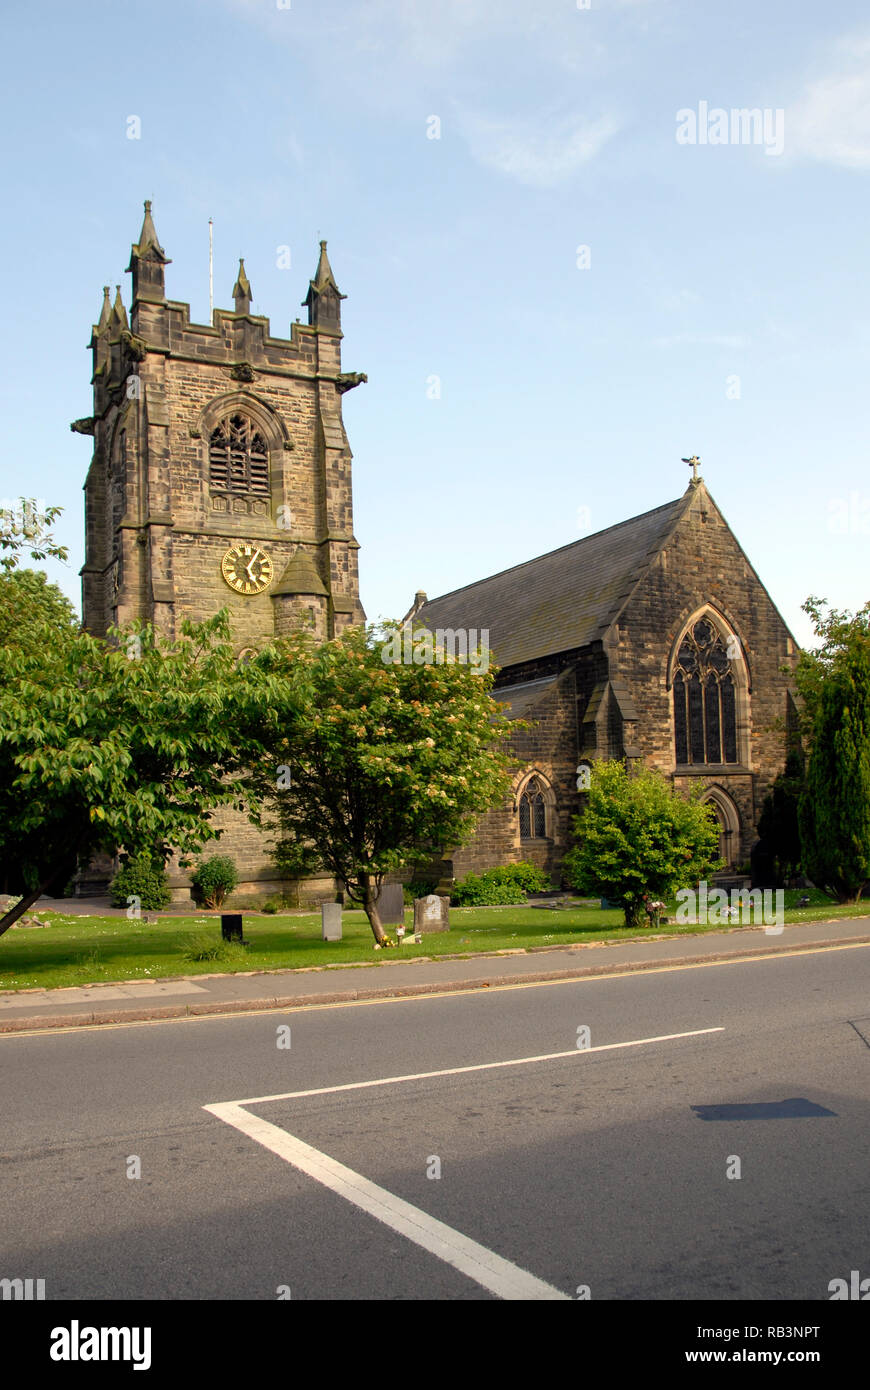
533, 815
705, 698
238, 457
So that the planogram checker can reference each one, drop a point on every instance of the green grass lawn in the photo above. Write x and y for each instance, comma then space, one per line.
76, 950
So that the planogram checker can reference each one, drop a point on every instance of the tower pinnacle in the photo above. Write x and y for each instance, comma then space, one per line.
323, 299
119, 313
147, 259
242, 290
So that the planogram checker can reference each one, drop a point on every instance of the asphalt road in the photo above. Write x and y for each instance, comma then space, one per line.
586, 1168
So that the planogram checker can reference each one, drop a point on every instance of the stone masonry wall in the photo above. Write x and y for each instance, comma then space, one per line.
700, 564
549, 748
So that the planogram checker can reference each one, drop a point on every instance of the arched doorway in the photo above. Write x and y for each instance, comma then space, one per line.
729, 825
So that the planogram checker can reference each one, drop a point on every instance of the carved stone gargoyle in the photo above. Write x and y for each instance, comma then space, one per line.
83, 426
346, 381
242, 371
137, 348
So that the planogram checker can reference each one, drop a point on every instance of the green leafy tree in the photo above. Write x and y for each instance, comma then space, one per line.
834, 813
27, 603
26, 527
387, 763
778, 824
130, 744
639, 840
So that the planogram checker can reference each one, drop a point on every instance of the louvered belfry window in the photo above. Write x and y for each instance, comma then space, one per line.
238, 458
533, 819
705, 699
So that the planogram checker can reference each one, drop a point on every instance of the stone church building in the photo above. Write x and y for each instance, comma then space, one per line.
651, 641
221, 477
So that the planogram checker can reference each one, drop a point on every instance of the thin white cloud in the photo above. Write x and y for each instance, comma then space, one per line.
830, 121
536, 151
727, 340
407, 43
673, 301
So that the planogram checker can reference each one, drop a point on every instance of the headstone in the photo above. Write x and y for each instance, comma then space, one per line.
231, 926
330, 921
391, 905
431, 914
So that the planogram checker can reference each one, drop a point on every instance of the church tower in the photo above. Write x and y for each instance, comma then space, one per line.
221, 472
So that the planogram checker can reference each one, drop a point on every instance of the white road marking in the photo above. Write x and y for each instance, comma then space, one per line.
478, 1066
499, 1276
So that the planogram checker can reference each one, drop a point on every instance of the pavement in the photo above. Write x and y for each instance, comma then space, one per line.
189, 996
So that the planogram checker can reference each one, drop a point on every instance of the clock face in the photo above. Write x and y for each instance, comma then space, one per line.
247, 569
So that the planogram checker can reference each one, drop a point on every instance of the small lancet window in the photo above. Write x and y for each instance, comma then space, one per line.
533, 815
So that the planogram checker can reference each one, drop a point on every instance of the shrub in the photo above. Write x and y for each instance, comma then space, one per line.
638, 838
525, 875
476, 892
214, 879
482, 892
507, 884
142, 877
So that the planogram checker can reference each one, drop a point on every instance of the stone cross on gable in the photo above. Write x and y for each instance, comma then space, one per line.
693, 464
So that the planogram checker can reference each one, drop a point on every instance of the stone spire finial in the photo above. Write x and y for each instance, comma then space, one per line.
105, 312
148, 235
242, 290
324, 273
147, 259
323, 299
119, 313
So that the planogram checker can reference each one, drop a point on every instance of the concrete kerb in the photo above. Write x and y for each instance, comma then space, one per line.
496, 981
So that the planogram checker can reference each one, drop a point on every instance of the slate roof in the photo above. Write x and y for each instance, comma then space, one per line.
520, 698
558, 601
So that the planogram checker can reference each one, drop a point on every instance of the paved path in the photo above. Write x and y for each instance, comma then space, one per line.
184, 996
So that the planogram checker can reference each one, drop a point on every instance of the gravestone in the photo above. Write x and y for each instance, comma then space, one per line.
231, 926
431, 914
391, 905
330, 921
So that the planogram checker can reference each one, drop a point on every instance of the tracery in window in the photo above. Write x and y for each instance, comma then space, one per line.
533, 816
705, 703
238, 457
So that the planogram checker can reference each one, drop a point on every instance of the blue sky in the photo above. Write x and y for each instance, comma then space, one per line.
722, 307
